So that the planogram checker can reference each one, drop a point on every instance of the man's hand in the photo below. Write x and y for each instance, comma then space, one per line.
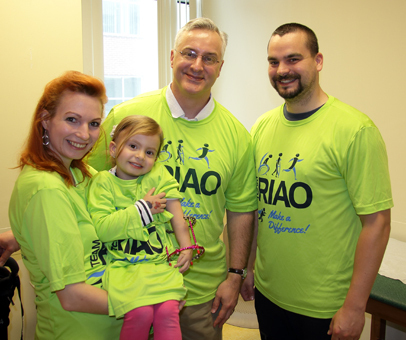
247, 288
157, 203
347, 324
227, 295
8, 245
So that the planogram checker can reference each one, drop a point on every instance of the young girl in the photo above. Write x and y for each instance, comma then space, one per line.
141, 285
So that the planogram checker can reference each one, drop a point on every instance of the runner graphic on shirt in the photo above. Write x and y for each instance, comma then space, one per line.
293, 166
278, 166
264, 167
205, 151
261, 214
165, 150
180, 153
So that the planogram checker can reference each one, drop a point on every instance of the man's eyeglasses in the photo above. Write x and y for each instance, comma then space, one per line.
191, 55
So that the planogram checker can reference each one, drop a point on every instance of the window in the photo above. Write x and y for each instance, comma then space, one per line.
183, 16
121, 89
120, 42
130, 48
121, 17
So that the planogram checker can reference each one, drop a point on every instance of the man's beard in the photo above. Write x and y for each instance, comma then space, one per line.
288, 94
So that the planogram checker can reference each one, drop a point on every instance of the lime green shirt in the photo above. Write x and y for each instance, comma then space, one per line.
138, 273
315, 176
212, 161
59, 247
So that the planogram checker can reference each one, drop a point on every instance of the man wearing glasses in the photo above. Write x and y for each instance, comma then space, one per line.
196, 127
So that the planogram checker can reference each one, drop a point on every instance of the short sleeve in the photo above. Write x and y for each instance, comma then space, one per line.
166, 183
99, 158
241, 193
367, 172
51, 227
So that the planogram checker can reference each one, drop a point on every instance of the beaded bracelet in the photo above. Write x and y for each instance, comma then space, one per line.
199, 249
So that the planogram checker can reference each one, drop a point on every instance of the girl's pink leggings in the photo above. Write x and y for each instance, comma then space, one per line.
163, 316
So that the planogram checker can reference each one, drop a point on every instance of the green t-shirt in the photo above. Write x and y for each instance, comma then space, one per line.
59, 247
138, 274
212, 161
315, 176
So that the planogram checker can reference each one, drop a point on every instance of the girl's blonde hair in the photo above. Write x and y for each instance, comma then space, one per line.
136, 125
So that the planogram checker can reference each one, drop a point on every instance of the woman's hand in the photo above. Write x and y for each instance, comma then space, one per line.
157, 203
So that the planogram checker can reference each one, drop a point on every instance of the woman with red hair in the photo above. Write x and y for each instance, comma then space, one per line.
48, 213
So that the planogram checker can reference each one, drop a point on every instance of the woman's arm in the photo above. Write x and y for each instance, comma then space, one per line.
56, 236
81, 297
181, 230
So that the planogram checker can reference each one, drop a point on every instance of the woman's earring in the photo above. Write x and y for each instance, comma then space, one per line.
45, 138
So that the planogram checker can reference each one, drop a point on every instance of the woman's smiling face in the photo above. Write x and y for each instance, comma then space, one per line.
75, 127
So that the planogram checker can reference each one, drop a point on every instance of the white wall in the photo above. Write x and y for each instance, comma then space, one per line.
40, 39
361, 41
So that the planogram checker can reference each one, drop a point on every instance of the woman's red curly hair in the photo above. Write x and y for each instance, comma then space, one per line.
42, 157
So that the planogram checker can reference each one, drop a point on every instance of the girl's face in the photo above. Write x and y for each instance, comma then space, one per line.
75, 127
137, 157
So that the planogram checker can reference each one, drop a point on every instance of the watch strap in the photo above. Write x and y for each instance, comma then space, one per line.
241, 272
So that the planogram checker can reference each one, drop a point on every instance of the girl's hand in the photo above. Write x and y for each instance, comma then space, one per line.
157, 203
182, 303
185, 257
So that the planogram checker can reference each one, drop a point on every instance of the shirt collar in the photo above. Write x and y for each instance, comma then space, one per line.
113, 171
177, 111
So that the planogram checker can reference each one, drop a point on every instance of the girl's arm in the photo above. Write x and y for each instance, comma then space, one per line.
112, 224
181, 230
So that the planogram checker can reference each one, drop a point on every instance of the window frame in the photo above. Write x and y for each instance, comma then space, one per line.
92, 33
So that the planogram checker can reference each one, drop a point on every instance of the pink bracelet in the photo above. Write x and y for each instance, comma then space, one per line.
186, 248
199, 249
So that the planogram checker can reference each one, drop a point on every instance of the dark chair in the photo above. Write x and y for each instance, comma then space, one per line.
9, 281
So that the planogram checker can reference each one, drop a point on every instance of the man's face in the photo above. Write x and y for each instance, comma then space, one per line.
194, 79
292, 70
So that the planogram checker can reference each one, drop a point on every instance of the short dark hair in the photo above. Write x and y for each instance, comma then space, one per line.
311, 43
